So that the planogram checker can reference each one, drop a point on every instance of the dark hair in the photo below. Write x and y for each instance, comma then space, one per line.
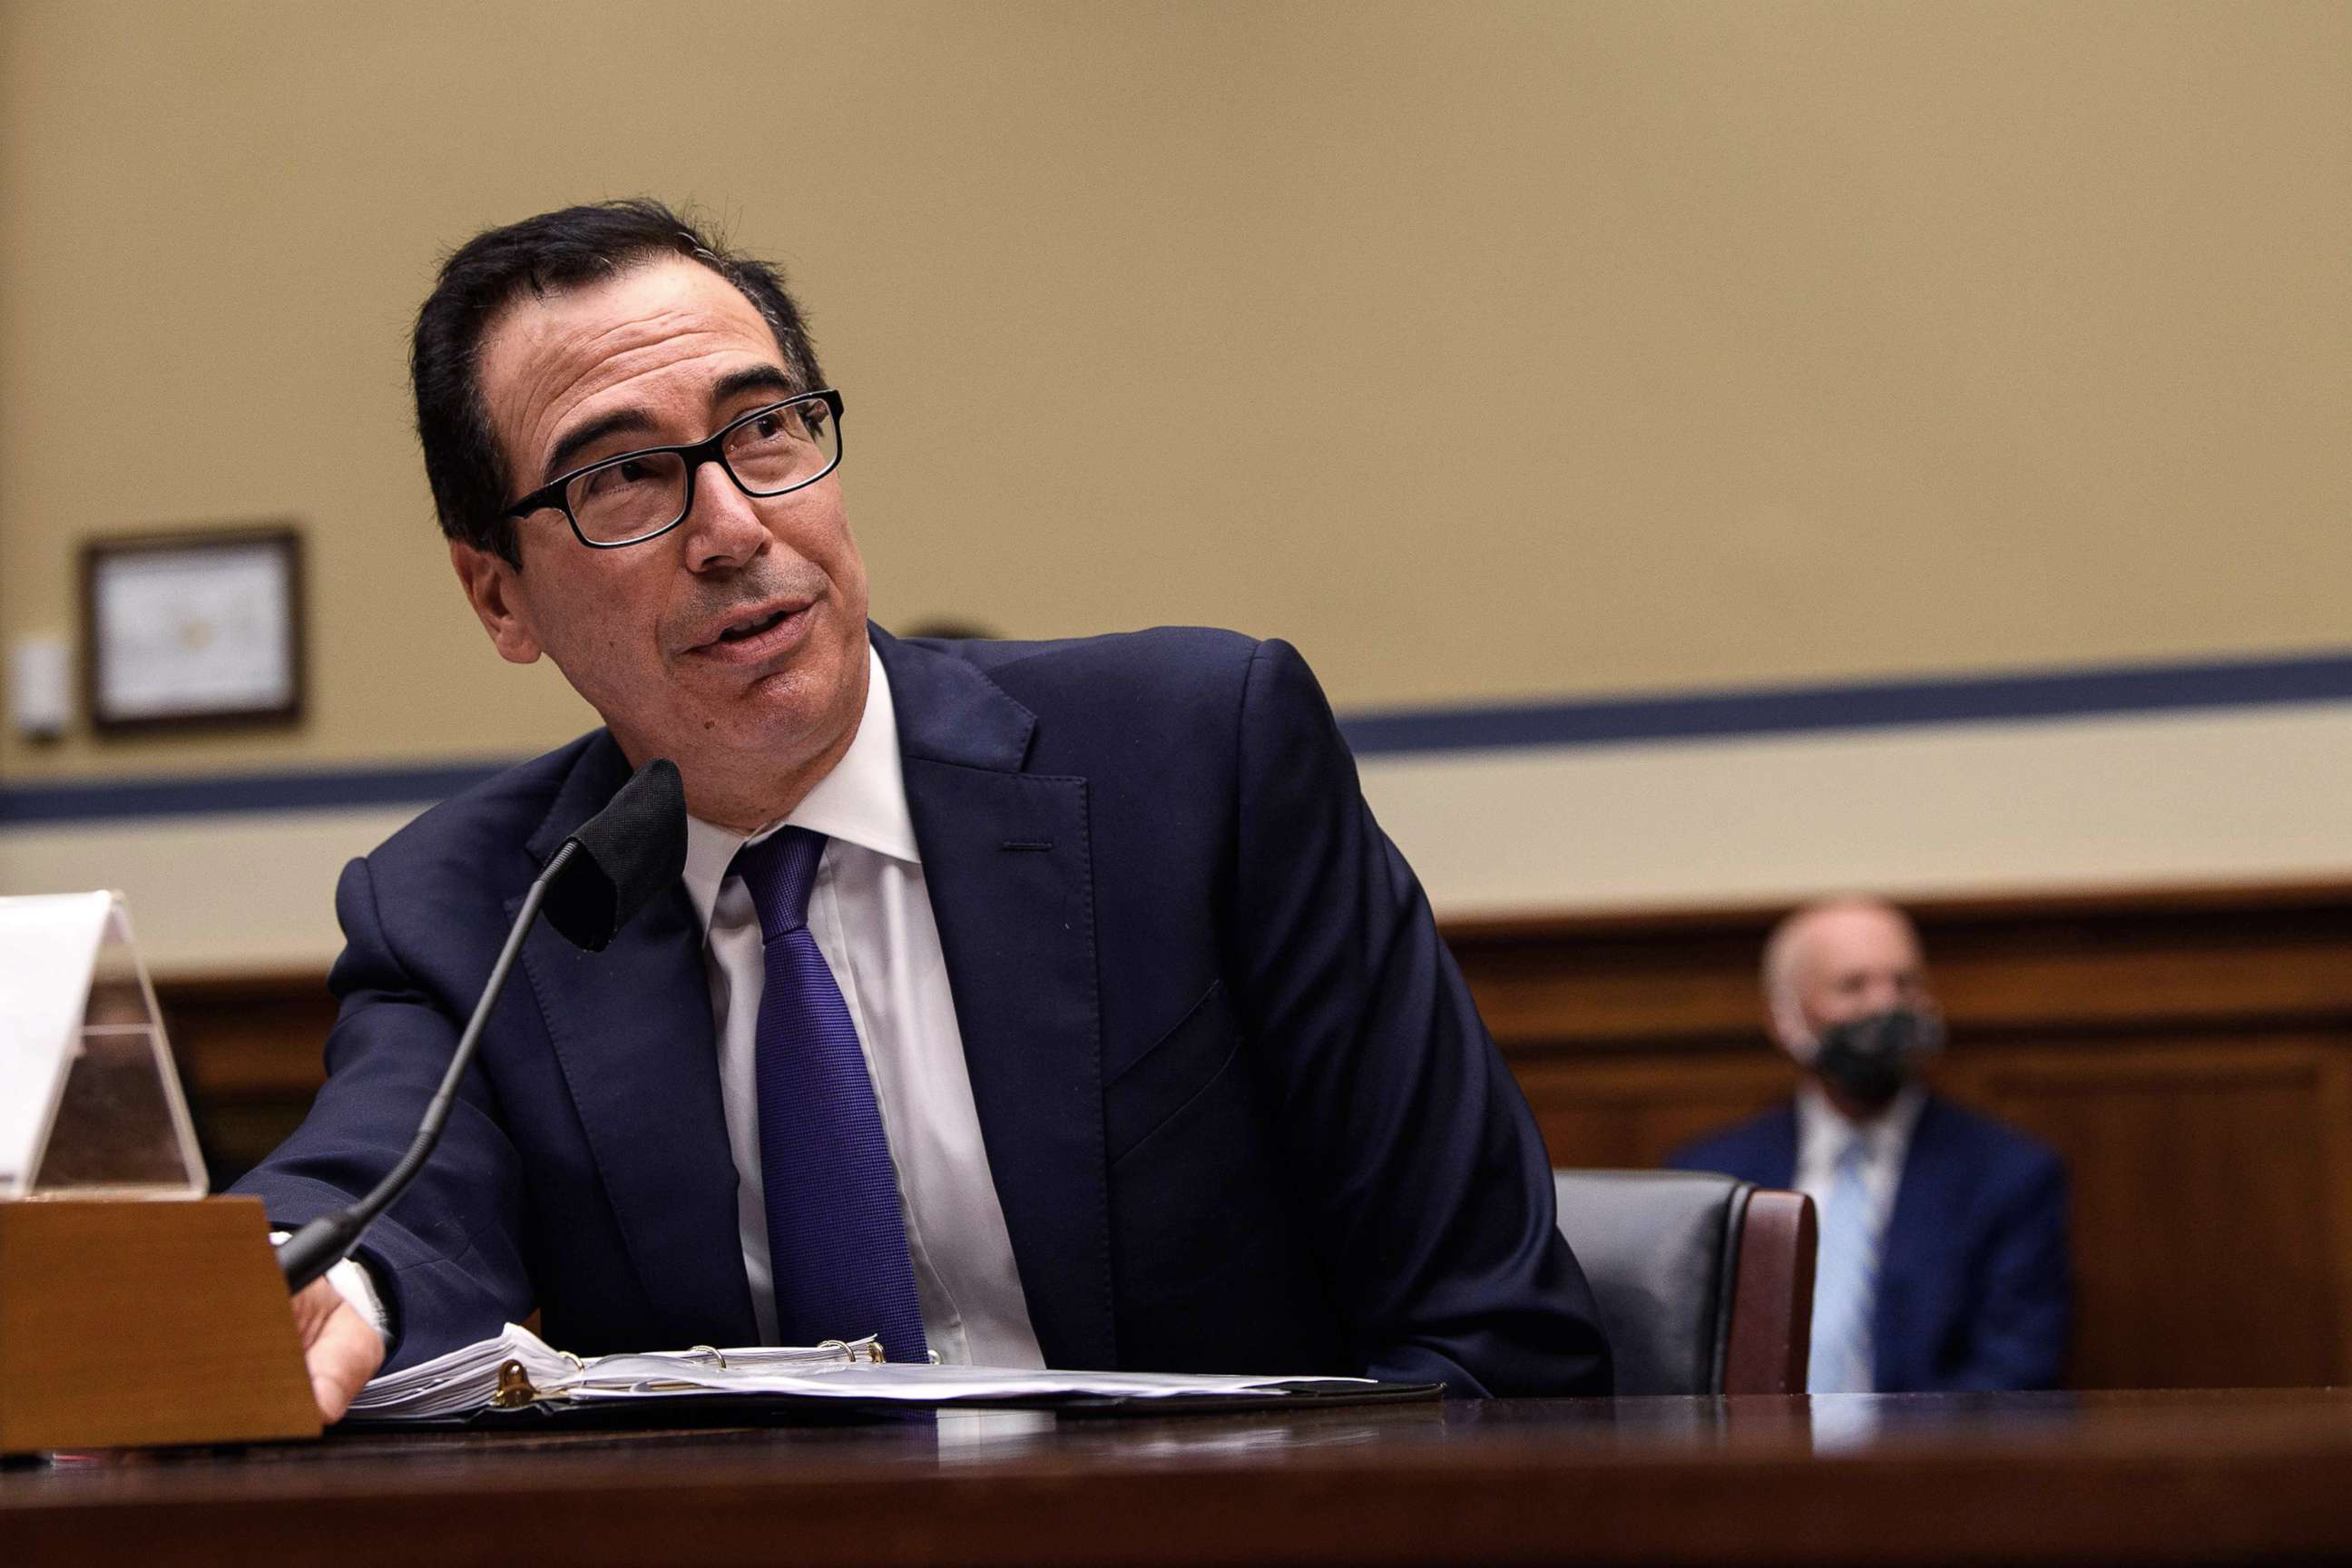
540, 256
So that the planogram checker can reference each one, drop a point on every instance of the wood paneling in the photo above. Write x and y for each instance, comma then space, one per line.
2202, 1175
2188, 1053
251, 1050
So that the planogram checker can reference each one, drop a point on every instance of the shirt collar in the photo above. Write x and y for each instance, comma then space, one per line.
863, 801
1822, 1125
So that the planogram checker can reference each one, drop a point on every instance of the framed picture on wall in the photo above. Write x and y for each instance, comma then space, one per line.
201, 626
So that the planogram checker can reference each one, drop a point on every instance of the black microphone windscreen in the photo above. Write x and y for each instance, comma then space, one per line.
629, 852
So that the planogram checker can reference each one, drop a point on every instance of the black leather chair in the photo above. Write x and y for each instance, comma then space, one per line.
1705, 1282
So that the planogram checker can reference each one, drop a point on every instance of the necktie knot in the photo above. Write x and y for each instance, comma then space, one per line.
777, 872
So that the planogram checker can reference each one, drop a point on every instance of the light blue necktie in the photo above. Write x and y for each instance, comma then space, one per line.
1845, 1283
836, 1240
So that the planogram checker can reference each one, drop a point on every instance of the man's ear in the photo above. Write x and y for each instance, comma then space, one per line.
1785, 1021
493, 586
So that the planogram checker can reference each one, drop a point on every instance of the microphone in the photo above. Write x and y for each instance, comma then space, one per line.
628, 852
595, 884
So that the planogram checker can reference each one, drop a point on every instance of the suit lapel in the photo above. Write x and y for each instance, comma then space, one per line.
631, 1028
1007, 864
1920, 1218
1922, 1193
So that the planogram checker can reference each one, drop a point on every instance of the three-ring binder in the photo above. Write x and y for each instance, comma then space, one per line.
515, 1390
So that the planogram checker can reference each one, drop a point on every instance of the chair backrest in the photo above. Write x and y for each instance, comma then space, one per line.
1705, 1282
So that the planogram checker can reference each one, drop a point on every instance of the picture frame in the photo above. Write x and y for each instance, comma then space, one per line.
193, 628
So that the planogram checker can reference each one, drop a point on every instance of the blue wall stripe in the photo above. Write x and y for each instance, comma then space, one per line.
1795, 710
1687, 716
324, 790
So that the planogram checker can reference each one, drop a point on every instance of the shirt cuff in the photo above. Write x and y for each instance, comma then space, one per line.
350, 1280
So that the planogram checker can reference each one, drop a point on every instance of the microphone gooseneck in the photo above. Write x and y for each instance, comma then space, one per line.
592, 887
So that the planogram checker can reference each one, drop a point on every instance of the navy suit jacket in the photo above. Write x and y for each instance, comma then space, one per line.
1238, 1106
1973, 1280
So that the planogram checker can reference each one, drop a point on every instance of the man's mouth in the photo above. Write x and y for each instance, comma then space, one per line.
744, 630
756, 632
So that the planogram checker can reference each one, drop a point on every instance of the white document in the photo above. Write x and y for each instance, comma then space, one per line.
48, 950
466, 1380
910, 1382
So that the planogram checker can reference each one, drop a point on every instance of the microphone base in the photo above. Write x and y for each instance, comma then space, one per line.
128, 1322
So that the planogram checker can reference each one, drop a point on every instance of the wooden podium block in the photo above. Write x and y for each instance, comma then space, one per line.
131, 1322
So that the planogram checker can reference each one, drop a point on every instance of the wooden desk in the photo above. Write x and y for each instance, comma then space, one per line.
2168, 1477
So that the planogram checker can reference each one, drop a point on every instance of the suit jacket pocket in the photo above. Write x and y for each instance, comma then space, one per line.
1166, 1078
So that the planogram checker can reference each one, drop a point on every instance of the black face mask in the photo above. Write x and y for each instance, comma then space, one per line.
1871, 1058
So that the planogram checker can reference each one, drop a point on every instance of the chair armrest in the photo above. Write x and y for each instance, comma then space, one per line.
1772, 1299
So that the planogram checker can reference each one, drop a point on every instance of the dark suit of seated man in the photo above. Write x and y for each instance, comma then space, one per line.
1943, 1256
1028, 1004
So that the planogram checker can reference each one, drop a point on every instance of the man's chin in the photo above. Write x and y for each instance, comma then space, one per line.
768, 728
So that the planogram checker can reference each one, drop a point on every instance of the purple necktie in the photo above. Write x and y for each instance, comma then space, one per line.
836, 1241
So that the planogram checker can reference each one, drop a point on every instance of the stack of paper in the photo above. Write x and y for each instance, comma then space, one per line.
518, 1370
467, 1380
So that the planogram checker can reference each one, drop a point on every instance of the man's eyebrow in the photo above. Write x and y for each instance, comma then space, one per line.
755, 378
559, 460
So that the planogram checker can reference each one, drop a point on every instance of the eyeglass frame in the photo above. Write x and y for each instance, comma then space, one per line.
694, 455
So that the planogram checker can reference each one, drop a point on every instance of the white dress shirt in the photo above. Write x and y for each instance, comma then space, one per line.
1824, 1132
871, 915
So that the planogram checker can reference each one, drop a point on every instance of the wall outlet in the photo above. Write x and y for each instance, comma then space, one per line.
40, 685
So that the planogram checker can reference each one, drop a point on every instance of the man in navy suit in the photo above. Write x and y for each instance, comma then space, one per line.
1943, 1259
1139, 1019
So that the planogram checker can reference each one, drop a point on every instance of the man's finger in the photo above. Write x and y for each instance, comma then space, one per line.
313, 1305
340, 1349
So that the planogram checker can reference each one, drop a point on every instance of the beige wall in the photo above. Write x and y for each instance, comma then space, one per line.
1503, 350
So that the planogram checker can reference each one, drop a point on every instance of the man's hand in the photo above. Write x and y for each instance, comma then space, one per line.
338, 1346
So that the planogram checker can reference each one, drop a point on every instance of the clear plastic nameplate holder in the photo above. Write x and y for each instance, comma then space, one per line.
89, 1102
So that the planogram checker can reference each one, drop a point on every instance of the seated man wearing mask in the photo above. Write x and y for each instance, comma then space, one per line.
1943, 1233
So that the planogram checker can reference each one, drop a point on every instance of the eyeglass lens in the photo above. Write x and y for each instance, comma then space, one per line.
776, 451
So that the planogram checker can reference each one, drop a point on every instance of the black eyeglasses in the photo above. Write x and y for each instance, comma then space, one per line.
638, 496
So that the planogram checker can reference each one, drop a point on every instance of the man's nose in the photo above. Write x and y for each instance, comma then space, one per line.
1880, 995
723, 528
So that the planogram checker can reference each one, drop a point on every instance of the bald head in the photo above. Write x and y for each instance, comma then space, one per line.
1841, 959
